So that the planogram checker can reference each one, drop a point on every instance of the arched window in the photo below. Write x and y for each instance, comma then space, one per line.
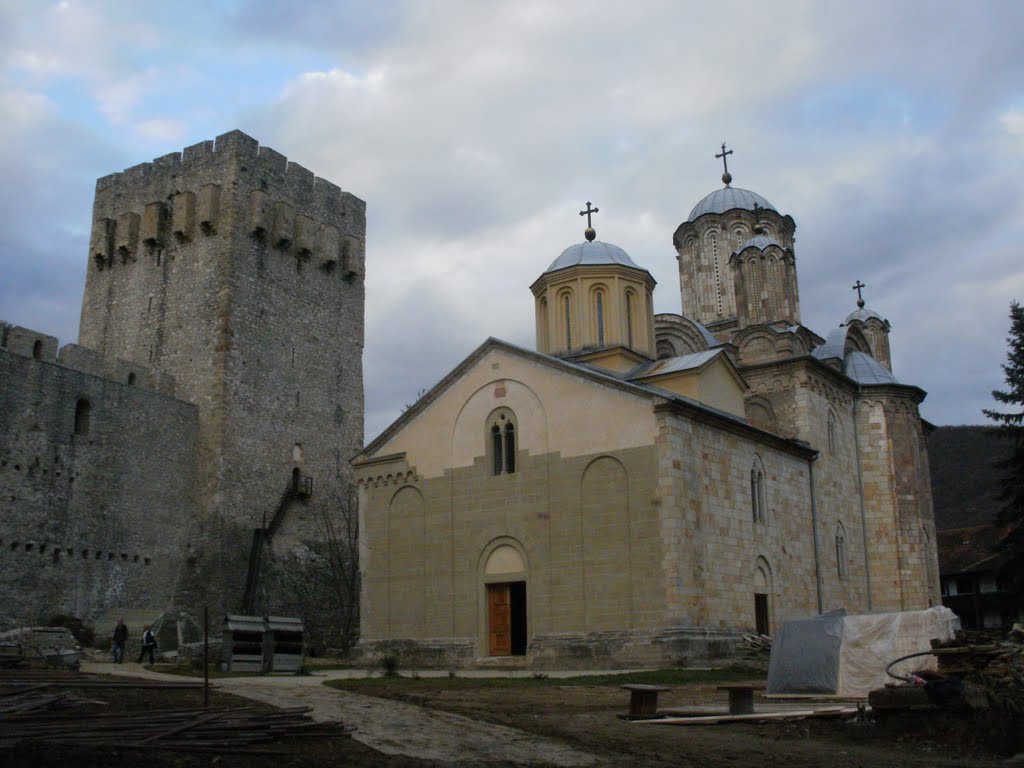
82, 409
510, 448
568, 321
542, 325
754, 495
496, 446
37, 349
758, 504
502, 442
831, 434
629, 318
599, 313
841, 563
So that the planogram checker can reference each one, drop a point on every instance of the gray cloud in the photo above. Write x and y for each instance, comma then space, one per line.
477, 131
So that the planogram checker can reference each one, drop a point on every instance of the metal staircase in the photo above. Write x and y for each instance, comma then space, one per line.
299, 487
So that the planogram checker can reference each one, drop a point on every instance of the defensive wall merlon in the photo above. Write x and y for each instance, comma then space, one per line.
25, 342
194, 194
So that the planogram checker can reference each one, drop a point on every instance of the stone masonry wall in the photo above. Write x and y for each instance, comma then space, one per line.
91, 520
897, 497
240, 275
713, 545
806, 398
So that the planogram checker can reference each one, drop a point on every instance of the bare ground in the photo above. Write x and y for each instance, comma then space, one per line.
417, 723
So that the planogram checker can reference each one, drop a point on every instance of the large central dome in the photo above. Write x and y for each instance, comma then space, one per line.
727, 199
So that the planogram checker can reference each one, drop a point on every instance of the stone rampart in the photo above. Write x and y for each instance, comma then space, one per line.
96, 476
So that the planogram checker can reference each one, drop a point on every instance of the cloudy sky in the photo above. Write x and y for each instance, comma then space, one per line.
893, 132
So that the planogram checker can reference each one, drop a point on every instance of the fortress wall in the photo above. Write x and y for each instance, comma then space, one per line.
90, 520
39, 346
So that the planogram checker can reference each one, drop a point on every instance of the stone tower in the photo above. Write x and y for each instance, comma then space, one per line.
736, 262
240, 275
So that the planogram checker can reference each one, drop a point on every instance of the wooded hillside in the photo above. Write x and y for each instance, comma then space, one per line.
964, 484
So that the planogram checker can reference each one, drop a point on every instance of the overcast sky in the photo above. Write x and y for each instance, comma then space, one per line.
892, 132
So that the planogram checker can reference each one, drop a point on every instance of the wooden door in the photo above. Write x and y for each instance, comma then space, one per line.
499, 620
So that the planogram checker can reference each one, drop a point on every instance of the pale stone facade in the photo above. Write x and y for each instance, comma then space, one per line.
651, 508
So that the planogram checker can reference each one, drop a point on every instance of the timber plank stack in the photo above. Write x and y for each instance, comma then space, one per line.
989, 663
49, 707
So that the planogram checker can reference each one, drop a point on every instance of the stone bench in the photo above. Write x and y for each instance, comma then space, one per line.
643, 699
741, 697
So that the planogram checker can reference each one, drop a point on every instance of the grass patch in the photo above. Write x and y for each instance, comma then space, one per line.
672, 677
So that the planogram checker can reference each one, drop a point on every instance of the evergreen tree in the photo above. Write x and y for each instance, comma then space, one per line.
1011, 423
1011, 427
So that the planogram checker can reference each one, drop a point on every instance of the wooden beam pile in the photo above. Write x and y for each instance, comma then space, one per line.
42, 710
992, 664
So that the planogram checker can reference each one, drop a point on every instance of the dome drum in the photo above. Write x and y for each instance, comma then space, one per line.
738, 222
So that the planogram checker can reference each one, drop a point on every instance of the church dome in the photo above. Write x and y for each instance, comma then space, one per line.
727, 199
864, 369
863, 315
760, 242
594, 252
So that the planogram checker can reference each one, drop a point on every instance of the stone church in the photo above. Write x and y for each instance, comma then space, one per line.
647, 487
209, 410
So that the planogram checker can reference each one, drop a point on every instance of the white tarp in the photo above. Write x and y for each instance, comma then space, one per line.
847, 655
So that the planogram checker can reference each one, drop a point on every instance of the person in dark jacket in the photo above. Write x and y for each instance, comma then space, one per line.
120, 638
148, 645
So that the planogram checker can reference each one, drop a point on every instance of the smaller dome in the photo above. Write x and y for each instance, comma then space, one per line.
727, 199
834, 346
594, 252
864, 369
863, 315
760, 242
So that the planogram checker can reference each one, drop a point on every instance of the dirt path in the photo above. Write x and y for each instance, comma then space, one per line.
393, 727
405, 729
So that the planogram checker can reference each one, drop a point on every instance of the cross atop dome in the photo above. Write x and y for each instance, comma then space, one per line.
726, 177
860, 299
590, 233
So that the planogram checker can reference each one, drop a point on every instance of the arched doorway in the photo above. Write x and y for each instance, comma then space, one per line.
505, 605
762, 596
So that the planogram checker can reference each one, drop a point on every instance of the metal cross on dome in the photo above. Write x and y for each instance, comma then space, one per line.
726, 177
725, 159
860, 299
588, 212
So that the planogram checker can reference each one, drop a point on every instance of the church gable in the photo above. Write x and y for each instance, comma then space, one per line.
502, 403
707, 377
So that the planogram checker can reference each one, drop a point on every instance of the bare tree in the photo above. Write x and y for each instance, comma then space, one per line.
320, 580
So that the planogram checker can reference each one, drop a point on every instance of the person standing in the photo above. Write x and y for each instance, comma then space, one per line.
120, 638
148, 645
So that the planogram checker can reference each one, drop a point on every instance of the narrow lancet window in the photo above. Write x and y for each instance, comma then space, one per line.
841, 552
600, 319
762, 505
629, 319
754, 495
496, 449
568, 324
510, 448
